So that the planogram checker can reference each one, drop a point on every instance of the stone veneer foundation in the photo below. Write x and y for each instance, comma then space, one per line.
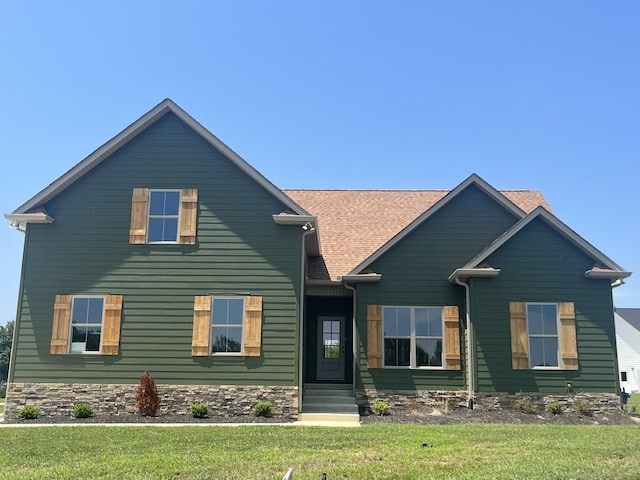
415, 402
57, 399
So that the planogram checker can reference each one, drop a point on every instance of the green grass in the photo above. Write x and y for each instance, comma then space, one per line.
633, 404
379, 451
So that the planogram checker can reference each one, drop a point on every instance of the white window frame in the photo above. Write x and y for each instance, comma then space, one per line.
413, 337
164, 217
101, 325
556, 336
241, 327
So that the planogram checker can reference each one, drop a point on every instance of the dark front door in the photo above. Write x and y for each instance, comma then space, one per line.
331, 349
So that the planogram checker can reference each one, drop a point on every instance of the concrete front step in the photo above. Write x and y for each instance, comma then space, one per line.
328, 408
329, 419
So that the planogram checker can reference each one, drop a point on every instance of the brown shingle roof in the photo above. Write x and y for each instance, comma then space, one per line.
353, 224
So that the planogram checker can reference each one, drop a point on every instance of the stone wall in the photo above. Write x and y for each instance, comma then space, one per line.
425, 401
57, 399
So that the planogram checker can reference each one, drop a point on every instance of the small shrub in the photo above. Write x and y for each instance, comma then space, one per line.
147, 400
525, 405
263, 409
380, 407
555, 408
29, 412
3, 391
583, 407
199, 410
82, 410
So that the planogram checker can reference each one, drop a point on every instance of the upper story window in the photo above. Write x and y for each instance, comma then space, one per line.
164, 216
413, 336
164, 213
542, 327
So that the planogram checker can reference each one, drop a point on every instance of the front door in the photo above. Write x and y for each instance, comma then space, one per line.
331, 349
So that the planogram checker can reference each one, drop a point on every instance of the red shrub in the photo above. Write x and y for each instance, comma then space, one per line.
147, 400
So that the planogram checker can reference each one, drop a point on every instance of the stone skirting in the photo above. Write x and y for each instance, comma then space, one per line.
424, 401
57, 399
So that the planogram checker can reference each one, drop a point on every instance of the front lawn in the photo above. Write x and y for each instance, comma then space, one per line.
633, 404
380, 451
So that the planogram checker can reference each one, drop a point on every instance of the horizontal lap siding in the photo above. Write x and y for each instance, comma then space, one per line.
415, 272
539, 265
239, 251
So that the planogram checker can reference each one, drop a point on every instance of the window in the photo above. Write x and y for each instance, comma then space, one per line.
164, 216
413, 336
164, 209
86, 324
331, 338
543, 335
542, 326
623, 376
227, 325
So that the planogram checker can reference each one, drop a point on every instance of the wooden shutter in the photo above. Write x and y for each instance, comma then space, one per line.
188, 216
252, 334
452, 338
201, 326
568, 338
111, 325
374, 336
519, 336
139, 216
60, 330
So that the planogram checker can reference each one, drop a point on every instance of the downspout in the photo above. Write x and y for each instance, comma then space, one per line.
469, 338
16, 322
307, 229
354, 343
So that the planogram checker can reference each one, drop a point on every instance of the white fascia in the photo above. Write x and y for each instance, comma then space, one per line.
20, 220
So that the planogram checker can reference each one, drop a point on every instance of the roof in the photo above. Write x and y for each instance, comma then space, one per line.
355, 224
630, 315
23, 214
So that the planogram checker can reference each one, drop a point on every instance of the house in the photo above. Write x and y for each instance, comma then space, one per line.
165, 251
627, 321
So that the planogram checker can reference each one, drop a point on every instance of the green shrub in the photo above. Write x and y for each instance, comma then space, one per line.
263, 409
29, 412
380, 407
147, 400
583, 407
199, 410
525, 405
82, 410
555, 408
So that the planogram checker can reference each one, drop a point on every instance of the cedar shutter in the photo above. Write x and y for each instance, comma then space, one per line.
452, 338
188, 216
60, 330
252, 325
201, 326
139, 216
519, 336
568, 338
374, 336
111, 325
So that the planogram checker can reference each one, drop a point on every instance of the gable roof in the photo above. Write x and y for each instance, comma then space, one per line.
27, 211
630, 315
603, 267
358, 226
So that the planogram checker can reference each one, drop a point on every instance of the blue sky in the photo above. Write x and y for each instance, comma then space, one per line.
356, 94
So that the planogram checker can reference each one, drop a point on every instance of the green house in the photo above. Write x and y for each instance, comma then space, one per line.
164, 251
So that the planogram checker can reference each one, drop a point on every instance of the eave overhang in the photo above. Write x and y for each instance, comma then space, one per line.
20, 220
309, 223
466, 273
615, 276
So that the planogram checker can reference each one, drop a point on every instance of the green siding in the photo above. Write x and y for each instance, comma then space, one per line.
415, 272
539, 265
86, 250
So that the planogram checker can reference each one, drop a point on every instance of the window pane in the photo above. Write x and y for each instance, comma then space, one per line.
156, 203
170, 233
428, 322
172, 203
156, 229
227, 311
549, 320
236, 307
93, 339
428, 352
227, 339
95, 310
397, 352
80, 310
534, 319
397, 322
544, 352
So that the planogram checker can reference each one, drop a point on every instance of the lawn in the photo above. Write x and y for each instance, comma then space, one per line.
633, 404
379, 451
